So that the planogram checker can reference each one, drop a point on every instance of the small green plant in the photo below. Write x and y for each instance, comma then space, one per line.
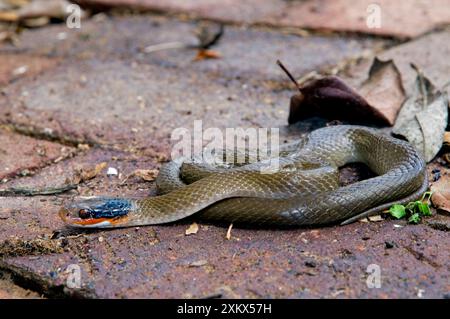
413, 210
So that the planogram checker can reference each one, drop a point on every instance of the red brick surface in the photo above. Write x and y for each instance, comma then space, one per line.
97, 86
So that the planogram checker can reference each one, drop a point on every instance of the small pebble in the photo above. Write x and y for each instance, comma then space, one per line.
112, 171
20, 70
389, 244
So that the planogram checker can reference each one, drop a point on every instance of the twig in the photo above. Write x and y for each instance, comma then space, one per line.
289, 75
165, 46
207, 39
13, 191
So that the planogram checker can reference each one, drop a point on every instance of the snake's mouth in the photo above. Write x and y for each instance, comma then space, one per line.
97, 212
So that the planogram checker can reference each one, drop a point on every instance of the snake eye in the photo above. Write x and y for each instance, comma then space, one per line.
84, 213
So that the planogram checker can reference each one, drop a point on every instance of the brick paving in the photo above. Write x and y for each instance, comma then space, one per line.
324, 15
71, 99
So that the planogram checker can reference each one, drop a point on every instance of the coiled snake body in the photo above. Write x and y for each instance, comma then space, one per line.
303, 191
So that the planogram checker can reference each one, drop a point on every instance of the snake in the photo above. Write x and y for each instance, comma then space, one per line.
303, 190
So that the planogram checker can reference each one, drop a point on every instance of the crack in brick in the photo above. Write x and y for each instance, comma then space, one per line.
46, 136
421, 257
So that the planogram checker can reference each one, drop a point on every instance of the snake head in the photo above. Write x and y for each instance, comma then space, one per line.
97, 212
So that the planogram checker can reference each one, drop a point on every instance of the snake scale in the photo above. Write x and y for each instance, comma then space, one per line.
304, 191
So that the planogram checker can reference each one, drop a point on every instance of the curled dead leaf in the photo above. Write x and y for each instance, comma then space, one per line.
423, 117
192, 229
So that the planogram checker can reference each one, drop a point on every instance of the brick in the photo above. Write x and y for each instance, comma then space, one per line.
20, 155
404, 19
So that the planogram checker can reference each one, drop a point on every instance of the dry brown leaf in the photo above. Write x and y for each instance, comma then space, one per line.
86, 174
192, 229
375, 218
146, 174
383, 90
441, 193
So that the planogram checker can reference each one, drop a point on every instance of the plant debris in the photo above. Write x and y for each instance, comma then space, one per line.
423, 117
198, 263
208, 34
147, 175
86, 174
192, 229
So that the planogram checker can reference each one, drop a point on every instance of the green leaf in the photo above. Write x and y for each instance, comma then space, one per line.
398, 211
424, 209
414, 219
